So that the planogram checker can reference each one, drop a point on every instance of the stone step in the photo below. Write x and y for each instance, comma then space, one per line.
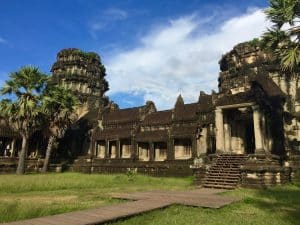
223, 177
219, 181
225, 172
218, 186
228, 164
217, 173
225, 167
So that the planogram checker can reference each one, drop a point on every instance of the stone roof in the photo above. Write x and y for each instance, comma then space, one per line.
113, 133
230, 99
268, 85
158, 118
184, 131
205, 103
128, 115
186, 112
157, 135
122, 115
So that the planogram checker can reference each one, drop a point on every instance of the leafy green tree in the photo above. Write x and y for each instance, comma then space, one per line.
22, 110
58, 105
283, 37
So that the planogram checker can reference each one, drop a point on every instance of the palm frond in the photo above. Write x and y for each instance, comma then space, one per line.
290, 58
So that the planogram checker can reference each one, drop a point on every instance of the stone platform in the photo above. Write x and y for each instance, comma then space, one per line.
142, 202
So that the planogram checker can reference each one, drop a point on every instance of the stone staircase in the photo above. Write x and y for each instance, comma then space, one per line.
225, 172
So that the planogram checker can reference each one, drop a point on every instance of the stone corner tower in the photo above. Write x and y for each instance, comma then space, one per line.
84, 74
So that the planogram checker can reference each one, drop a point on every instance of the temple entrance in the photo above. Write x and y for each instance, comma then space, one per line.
239, 131
250, 140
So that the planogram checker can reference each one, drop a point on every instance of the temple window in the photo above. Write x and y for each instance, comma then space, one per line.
125, 146
183, 148
160, 151
143, 151
100, 149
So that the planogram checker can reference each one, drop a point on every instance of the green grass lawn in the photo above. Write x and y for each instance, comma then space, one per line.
35, 195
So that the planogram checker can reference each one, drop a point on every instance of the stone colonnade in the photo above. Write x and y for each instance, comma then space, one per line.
144, 151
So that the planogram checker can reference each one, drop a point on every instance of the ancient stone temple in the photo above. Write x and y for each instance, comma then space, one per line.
83, 73
247, 133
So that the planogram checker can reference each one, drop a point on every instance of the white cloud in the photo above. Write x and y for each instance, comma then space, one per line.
2, 40
115, 14
105, 18
180, 57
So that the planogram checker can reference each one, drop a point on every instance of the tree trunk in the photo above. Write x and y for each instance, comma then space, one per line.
22, 156
51, 142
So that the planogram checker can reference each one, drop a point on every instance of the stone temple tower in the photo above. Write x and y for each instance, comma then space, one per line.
83, 73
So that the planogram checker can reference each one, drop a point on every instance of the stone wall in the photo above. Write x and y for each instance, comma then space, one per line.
263, 171
155, 168
9, 165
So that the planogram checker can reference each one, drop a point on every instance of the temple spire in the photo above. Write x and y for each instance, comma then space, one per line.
179, 101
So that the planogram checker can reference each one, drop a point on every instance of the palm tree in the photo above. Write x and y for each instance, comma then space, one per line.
59, 105
283, 37
22, 109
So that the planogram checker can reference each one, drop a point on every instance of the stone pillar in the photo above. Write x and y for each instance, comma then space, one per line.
264, 131
13, 148
194, 147
203, 140
118, 149
219, 131
134, 150
227, 135
170, 149
107, 149
91, 150
151, 151
258, 134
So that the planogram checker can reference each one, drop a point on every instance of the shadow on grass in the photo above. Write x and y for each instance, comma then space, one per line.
284, 200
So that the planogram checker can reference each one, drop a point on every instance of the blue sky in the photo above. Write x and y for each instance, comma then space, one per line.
152, 49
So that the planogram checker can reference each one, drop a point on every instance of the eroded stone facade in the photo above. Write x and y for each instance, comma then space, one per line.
254, 116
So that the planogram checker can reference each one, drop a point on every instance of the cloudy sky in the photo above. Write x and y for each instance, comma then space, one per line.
152, 49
